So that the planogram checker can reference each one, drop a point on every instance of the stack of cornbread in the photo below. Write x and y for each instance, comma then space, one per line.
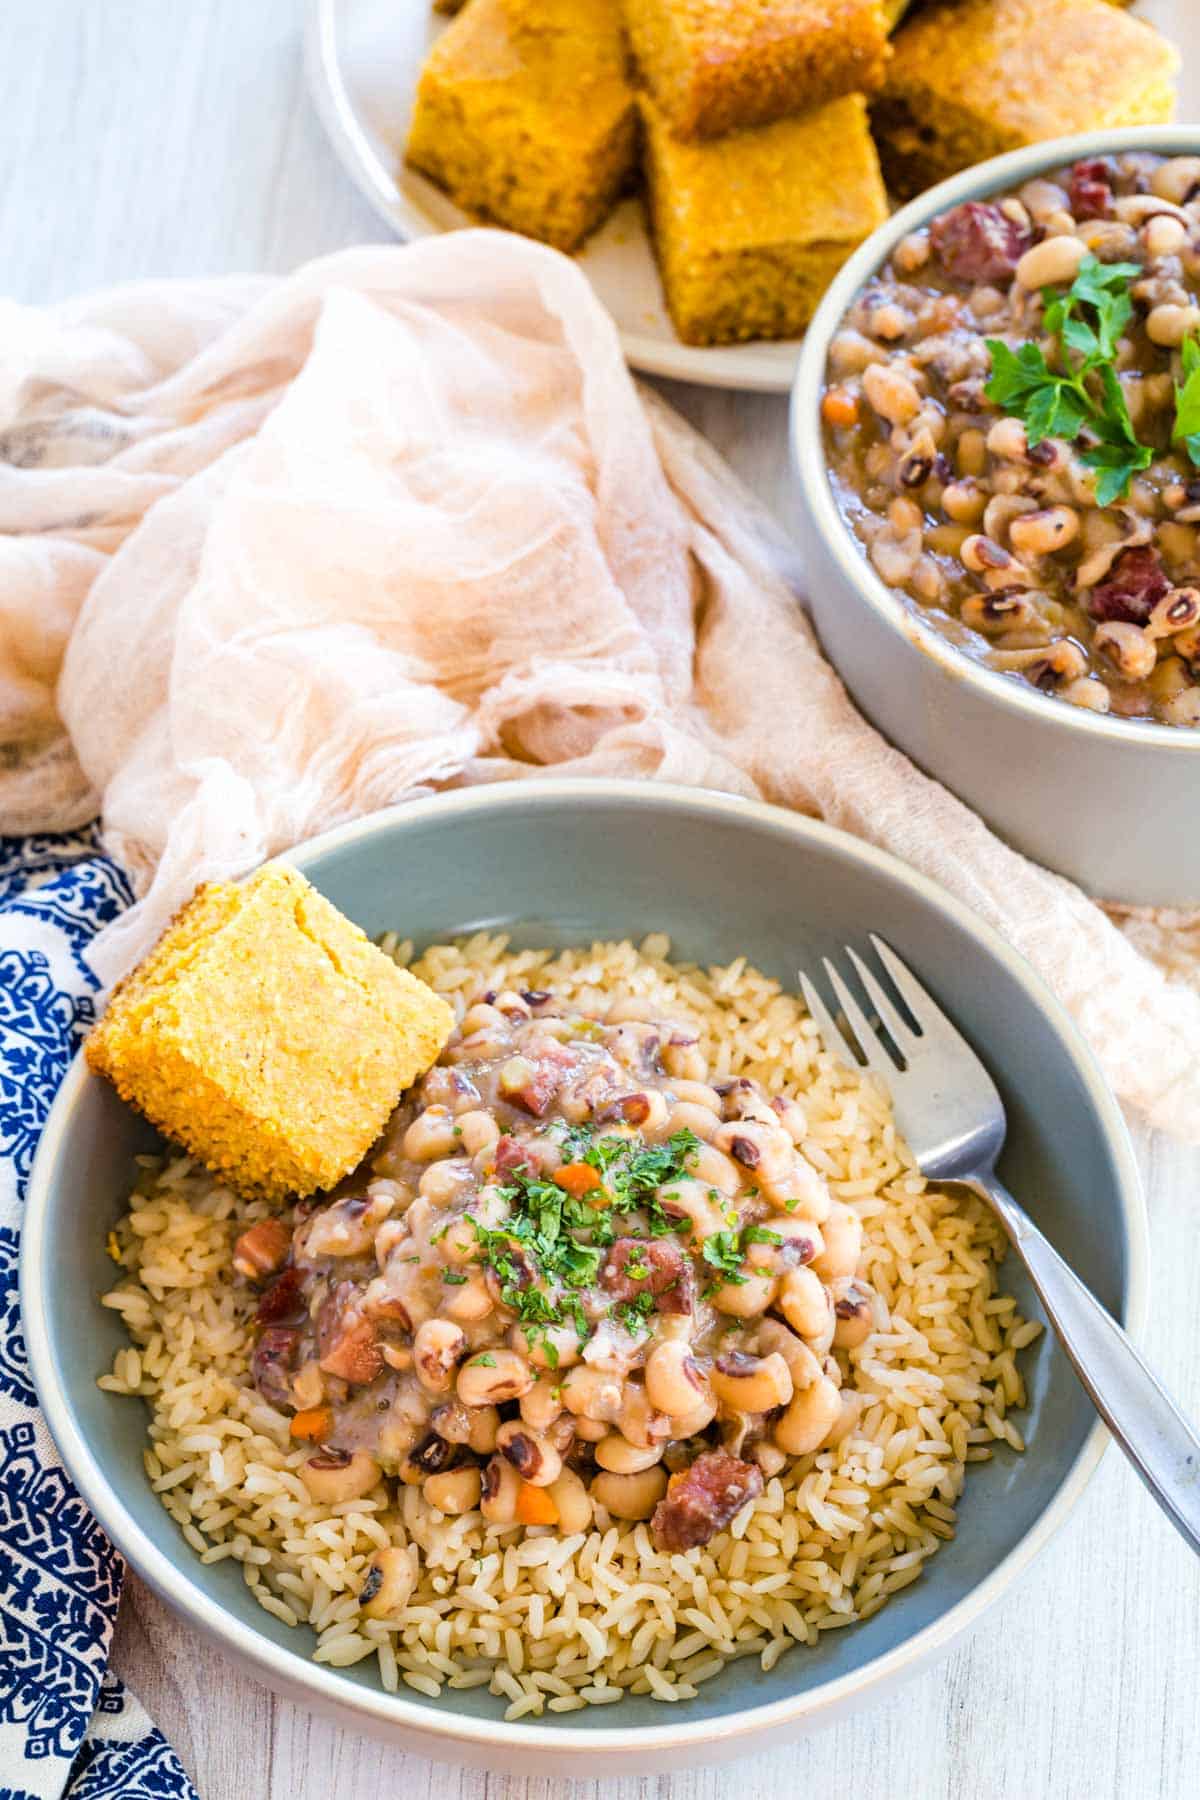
749, 120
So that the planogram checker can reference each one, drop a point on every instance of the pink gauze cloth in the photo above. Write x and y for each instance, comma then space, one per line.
275, 553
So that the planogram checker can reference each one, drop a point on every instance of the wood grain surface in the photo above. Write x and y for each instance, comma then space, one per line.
154, 137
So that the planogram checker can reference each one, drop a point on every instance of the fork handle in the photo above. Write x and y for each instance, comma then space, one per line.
1138, 1411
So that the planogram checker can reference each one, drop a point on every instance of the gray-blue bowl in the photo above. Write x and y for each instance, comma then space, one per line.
563, 862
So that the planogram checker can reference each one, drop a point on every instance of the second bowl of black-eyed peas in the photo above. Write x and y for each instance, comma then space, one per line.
996, 433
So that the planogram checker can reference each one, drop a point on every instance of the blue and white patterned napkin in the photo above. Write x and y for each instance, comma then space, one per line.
67, 1727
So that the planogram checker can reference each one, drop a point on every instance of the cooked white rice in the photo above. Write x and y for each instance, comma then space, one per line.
559, 1623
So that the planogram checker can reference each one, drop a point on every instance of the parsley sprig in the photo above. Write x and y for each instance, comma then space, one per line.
1187, 400
1083, 396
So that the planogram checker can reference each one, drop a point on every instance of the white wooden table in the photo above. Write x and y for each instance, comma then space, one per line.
152, 137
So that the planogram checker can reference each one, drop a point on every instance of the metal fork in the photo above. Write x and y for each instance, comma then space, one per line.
949, 1111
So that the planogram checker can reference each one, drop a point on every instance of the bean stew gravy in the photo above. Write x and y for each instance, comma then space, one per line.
572, 1269
1012, 420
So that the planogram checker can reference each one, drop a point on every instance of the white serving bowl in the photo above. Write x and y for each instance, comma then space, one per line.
1112, 803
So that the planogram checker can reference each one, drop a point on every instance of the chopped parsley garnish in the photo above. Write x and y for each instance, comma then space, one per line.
723, 1252
485, 1361
553, 1243
453, 1278
761, 1234
539, 1338
1082, 397
633, 1314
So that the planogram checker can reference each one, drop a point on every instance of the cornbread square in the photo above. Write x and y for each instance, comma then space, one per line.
713, 67
970, 78
524, 115
750, 229
266, 1034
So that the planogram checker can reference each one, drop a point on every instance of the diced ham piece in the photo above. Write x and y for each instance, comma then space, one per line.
668, 1273
270, 1362
1091, 189
511, 1155
532, 1081
1132, 588
702, 1499
976, 242
284, 1299
346, 1340
630, 1109
262, 1249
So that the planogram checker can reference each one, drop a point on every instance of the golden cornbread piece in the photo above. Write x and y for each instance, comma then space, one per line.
750, 229
970, 78
714, 67
267, 1035
524, 115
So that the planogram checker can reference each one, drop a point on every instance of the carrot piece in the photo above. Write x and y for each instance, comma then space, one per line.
839, 408
577, 1179
535, 1507
313, 1425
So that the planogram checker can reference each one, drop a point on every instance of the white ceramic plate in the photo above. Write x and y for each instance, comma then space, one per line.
364, 57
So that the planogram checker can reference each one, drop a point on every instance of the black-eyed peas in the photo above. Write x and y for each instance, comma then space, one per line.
854, 1309
675, 1382
455, 1490
629, 1496
494, 1376
432, 1134
475, 1426
843, 1235
593, 1394
1127, 648
573, 1502
809, 1418
616, 1453
954, 505
751, 1384
389, 1581
805, 1304
500, 1492
333, 1476
438, 1346
442, 1182
574, 1248
533, 1456
1040, 532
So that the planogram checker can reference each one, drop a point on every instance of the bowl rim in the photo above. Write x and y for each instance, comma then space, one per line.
811, 466
325, 1687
